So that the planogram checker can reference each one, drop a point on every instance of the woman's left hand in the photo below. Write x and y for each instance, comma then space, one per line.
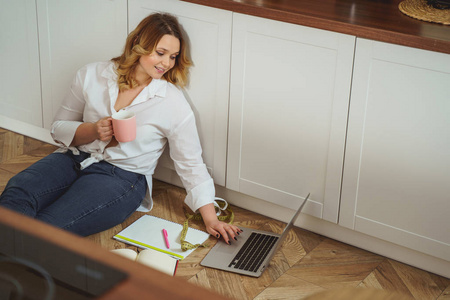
218, 228
227, 231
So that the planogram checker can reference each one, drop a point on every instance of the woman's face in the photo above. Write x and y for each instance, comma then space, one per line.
157, 63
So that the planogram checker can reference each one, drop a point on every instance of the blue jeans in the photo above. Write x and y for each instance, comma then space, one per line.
55, 190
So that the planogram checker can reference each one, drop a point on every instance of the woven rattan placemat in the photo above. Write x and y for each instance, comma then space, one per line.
419, 9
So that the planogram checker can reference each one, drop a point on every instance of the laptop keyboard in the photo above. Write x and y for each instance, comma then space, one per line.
253, 252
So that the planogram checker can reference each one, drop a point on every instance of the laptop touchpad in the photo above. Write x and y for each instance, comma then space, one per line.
228, 249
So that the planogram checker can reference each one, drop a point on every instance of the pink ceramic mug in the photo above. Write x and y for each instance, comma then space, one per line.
124, 126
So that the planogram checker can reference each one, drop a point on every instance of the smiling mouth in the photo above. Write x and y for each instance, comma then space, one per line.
160, 70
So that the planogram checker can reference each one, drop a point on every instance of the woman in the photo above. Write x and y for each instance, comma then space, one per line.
92, 182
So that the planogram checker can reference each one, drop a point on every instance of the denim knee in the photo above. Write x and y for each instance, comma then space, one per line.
17, 198
39, 185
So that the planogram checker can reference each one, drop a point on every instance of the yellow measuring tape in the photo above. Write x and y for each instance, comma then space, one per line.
185, 245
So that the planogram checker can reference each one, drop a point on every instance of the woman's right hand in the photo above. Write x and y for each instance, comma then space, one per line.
104, 129
88, 132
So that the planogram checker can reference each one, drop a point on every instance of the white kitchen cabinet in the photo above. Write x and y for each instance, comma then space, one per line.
397, 163
72, 34
290, 88
19, 62
209, 35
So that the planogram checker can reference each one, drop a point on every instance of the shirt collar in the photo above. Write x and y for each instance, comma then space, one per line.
109, 72
157, 87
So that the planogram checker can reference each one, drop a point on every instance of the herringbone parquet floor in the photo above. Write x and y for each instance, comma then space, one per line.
307, 263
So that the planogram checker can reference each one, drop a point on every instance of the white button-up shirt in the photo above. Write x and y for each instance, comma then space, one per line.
162, 114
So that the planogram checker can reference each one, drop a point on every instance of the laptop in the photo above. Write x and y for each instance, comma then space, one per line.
251, 253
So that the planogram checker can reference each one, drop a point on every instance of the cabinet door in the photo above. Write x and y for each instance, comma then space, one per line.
208, 32
397, 163
72, 34
19, 62
289, 98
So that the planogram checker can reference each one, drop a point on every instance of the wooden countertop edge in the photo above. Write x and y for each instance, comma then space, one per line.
331, 25
142, 282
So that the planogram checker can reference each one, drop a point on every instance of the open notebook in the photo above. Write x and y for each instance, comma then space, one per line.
147, 232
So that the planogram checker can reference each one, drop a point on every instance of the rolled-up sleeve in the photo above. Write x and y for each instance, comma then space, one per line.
186, 152
70, 114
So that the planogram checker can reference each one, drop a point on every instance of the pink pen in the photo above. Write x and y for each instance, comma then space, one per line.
166, 238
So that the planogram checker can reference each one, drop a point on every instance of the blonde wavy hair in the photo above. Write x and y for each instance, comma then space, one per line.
143, 41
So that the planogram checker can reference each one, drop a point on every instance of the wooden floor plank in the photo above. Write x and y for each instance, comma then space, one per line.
445, 294
385, 277
11, 145
420, 283
288, 287
333, 264
227, 284
308, 239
